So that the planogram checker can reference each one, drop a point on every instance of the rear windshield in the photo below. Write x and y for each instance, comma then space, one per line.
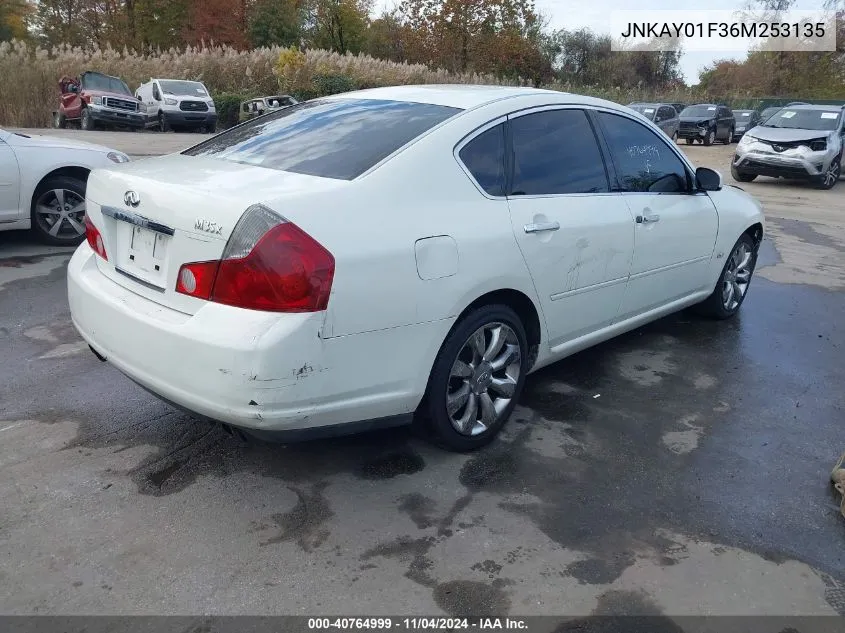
817, 120
699, 110
329, 138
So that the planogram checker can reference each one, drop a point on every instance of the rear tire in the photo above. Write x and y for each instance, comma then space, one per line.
730, 138
59, 121
737, 273
481, 388
675, 137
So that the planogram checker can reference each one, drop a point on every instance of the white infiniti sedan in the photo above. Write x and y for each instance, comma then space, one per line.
42, 184
399, 254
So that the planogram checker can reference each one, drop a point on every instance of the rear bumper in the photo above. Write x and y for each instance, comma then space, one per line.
265, 372
190, 119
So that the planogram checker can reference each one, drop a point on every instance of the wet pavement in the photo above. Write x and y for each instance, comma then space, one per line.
679, 469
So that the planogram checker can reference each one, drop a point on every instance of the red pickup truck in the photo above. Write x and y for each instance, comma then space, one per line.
95, 99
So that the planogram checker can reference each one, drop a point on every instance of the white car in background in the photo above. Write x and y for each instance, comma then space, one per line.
42, 184
352, 261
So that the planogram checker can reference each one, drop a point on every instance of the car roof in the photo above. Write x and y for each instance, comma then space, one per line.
467, 96
811, 107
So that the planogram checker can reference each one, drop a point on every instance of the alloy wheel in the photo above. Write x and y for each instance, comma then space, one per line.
737, 276
483, 378
832, 173
60, 213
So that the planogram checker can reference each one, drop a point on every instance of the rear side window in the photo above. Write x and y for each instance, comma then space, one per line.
667, 113
329, 138
484, 157
556, 152
643, 160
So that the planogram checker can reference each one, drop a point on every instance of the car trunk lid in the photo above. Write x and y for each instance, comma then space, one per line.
157, 214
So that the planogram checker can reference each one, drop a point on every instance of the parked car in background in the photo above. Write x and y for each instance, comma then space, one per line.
261, 105
662, 115
707, 123
43, 184
255, 306
177, 104
745, 120
679, 107
803, 141
94, 99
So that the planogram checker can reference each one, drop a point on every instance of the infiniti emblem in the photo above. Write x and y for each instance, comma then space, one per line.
131, 198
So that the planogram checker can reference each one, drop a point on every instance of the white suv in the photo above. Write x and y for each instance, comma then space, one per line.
176, 103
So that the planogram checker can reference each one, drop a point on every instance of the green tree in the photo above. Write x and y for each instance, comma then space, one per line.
14, 19
159, 24
339, 25
276, 22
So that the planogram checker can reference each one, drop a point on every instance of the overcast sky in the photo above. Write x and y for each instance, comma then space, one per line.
595, 14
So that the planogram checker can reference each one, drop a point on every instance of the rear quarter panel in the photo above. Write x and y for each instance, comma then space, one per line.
372, 231
37, 162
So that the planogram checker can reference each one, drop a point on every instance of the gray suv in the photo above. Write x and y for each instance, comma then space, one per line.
802, 142
663, 115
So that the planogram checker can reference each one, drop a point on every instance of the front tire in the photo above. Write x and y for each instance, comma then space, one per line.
163, 125
710, 138
689, 141
740, 176
476, 379
87, 121
732, 288
58, 211
829, 179
59, 121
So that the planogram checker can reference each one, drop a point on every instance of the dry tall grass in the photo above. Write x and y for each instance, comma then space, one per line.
30, 75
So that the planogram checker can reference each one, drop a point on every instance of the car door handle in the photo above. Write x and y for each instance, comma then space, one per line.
541, 226
648, 219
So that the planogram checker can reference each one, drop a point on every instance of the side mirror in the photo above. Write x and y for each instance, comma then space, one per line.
708, 179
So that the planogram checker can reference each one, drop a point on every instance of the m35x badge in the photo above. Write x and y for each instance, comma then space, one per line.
207, 226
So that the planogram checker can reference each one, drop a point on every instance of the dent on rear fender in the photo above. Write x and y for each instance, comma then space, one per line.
287, 356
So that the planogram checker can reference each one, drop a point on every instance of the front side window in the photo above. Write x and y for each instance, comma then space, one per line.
330, 138
643, 161
556, 152
484, 157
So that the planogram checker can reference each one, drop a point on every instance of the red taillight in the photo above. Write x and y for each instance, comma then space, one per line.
197, 279
95, 239
269, 264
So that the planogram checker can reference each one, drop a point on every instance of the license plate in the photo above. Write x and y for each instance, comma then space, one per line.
143, 253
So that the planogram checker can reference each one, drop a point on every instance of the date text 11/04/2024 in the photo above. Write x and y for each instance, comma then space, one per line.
411, 624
